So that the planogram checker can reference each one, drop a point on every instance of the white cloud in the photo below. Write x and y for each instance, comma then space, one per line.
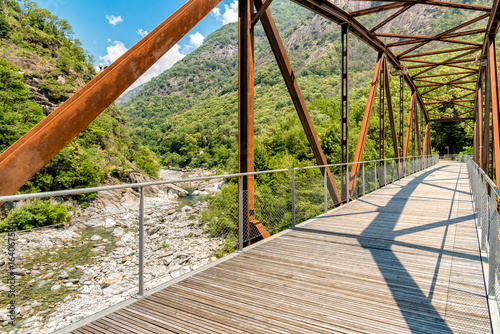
114, 20
164, 63
231, 13
142, 32
196, 39
215, 12
114, 52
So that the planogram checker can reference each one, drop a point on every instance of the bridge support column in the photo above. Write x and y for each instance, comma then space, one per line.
485, 153
344, 127
381, 125
401, 116
492, 62
246, 113
478, 121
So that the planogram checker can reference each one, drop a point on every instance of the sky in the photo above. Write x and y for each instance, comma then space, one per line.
107, 29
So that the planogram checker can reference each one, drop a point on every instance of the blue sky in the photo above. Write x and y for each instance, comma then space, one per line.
108, 28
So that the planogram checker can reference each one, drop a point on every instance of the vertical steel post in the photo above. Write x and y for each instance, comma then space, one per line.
363, 171
487, 114
240, 213
246, 106
401, 112
293, 199
325, 186
376, 181
347, 182
141, 244
344, 92
495, 106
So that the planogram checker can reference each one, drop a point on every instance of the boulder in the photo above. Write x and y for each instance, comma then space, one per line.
118, 232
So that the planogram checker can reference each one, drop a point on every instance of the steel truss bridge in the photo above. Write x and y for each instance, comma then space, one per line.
471, 67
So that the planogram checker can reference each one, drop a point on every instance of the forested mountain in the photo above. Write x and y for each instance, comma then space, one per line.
41, 65
188, 114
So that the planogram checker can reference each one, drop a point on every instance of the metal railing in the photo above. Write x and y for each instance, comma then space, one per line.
486, 197
154, 238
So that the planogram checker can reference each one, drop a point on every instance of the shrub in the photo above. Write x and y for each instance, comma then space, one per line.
35, 214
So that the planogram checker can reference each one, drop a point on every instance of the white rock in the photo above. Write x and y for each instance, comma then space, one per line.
118, 232
95, 237
128, 237
108, 223
55, 287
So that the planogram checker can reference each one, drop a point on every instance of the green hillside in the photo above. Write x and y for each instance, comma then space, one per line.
41, 65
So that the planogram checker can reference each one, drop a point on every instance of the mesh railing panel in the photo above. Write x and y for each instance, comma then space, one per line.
488, 221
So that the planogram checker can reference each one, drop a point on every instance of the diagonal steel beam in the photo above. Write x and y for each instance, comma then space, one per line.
408, 127
30, 153
392, 17
447, 32
358, 155
390, 111
439, 4
293, 88
376, 9
437, 52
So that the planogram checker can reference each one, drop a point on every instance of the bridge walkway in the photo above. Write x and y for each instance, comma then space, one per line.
403, 259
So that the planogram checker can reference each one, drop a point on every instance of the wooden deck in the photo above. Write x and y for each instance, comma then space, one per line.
401, 260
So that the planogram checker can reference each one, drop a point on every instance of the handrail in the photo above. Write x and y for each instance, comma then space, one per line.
155, 183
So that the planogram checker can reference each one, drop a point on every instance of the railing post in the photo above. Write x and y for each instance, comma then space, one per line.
240, 214
376, 183
293, 199
325, 191
363, 172
392, 168
347, 183
141, 244
384, 181
492, 241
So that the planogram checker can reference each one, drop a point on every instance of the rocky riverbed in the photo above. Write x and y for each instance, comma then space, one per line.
69, 272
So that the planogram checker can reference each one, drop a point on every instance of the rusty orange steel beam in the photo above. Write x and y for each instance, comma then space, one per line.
445, 33
376, 9
358, 155
390, 111
437, 52
285, 66
495, 107
408, 127
439, 3
392, 17
427, 137
32, 151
